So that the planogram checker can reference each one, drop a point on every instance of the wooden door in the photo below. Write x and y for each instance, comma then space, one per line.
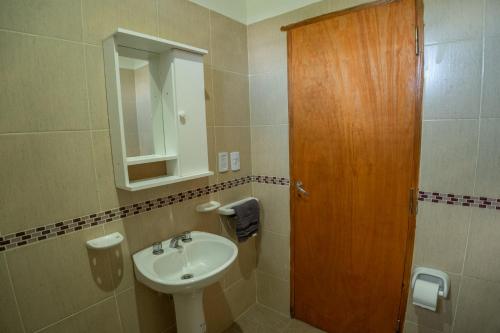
354, 96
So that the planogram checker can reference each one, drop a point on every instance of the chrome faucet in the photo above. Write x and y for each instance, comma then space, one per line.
185, 237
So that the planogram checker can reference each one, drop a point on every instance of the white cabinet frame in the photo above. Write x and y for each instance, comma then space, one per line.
183, 108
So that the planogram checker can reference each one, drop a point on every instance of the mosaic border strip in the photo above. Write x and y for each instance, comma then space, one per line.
25, 237
459, 200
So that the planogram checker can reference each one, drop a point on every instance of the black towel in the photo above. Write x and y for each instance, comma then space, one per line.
247, 219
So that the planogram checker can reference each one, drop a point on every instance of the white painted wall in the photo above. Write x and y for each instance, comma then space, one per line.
235, 9
258, 10
251, 11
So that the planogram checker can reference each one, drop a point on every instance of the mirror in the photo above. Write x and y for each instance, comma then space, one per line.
140, 102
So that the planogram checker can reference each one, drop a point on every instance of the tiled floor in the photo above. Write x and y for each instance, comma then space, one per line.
259, 319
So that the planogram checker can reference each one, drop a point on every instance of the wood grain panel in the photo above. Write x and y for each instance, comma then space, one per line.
354, 99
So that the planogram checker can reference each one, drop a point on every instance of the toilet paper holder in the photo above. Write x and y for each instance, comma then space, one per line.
432, 275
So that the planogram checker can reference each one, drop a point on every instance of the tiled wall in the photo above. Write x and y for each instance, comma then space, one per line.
56, 165
460, 155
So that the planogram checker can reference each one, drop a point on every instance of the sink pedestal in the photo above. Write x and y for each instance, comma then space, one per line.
189, 314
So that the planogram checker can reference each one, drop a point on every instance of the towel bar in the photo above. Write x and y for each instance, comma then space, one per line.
228, 210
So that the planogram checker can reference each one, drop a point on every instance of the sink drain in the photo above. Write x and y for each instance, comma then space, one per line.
187, 276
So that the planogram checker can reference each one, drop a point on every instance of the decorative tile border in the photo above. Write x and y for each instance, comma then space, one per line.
271, 180
26, 237
459, 200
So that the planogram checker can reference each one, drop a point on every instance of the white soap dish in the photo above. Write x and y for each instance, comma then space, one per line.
105, 242
208, 207
228, 210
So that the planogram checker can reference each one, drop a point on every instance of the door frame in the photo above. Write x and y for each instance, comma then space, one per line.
419, 82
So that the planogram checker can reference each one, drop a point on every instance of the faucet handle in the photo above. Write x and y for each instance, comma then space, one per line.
157, 248
186, 237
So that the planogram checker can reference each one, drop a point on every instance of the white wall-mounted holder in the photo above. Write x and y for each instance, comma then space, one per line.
105, 242
227, 210
428, 285
177, 106
207, 207
434, 276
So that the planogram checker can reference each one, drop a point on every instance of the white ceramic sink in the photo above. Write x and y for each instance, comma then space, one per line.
184, 272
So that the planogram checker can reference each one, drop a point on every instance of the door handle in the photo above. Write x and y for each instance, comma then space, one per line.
300, 189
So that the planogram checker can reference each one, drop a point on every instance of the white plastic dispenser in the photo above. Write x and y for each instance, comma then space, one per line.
428, 284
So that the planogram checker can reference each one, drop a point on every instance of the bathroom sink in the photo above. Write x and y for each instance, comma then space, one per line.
195, 260
195, 265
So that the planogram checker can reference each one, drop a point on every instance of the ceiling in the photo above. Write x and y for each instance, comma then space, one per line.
251, 11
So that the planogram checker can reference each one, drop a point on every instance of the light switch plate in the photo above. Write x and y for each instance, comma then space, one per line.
223, 161
235, 160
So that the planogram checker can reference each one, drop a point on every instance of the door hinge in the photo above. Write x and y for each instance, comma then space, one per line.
413, 202
398, 326
417, 42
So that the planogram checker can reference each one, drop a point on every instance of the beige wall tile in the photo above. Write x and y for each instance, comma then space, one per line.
102, 18
269, 99
273, 293
235, 193
273, 256
212, 156
275, 207
487, 176
441, 236
492, 14
100, 318
452, 80
55, 278
231, 99
491, 85
209, 96
185, 22
229, 44
270, 151
241, 295
145, 310
483, 249
478, 307
447, 20
267, 47
56, 18
145, 229
217, 311
9, 316
120, 258
43, 85
442, 319
448, 156
244, 265
96, 87
47, 177
185, 217
230, 139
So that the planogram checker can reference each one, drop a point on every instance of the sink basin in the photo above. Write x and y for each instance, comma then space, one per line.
184, 272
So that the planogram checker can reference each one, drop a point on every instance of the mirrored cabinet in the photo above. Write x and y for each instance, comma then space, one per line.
156, 106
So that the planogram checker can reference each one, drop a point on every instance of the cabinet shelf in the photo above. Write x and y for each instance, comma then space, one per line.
149, 159
159, 181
